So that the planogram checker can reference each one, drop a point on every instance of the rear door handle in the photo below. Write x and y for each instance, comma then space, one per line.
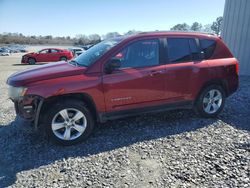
153, 73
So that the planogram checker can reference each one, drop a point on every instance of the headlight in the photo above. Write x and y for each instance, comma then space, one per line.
16, 92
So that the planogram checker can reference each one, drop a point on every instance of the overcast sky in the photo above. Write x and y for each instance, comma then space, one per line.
72, 17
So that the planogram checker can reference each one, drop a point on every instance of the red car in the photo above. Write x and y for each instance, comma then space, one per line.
47, 55
126, 76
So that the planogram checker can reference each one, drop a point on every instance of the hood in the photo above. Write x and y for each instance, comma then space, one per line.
44, 72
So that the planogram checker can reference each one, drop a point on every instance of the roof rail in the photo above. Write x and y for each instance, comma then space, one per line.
179, 31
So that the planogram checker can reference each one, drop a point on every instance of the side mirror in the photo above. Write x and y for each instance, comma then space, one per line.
112, 65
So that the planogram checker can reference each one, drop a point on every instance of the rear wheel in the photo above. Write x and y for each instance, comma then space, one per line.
63, 59
211, 101
69, 122
31, 61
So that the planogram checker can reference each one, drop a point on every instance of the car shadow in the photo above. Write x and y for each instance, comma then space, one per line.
22, 149
19, 64
237, 109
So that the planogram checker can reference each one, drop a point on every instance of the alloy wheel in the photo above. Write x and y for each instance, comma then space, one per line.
69, 124
212, 101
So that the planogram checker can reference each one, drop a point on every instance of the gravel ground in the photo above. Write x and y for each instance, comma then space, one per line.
172, 149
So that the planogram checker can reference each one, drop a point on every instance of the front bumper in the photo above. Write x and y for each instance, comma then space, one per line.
28, 107
24, 60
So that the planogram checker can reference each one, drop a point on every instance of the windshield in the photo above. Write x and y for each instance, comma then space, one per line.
95, 52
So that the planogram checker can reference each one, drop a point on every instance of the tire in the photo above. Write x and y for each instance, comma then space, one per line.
31, 61
63, 59
62, 128
208, 106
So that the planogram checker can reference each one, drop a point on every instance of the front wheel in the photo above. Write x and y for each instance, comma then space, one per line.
31, 61
211, 101
69, 122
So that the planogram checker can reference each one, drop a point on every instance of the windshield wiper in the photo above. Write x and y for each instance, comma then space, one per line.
74, 62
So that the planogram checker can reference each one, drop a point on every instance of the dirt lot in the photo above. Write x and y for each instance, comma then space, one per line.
171, 149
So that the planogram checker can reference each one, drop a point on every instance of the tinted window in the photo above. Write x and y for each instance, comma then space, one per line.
178, 50
140, 54
54, 51
207, 47
194, 50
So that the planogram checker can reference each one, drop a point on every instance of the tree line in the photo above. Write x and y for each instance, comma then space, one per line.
18, 38
215, 27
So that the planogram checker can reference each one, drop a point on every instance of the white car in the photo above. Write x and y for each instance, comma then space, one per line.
77, 51
4, 52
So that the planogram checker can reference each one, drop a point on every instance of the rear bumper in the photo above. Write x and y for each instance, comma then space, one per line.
70, 57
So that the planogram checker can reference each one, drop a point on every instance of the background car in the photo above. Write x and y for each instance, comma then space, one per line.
4, 52
16, 48
47, 55
86, 47
77, 51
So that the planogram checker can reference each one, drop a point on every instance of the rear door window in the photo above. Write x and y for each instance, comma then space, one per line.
194, 50
182, 50
207, 47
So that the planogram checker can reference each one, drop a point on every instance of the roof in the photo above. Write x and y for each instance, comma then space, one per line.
166, 34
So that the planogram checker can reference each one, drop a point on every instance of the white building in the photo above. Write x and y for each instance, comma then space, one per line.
236, 31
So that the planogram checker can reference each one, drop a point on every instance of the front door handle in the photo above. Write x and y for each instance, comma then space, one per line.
154, 73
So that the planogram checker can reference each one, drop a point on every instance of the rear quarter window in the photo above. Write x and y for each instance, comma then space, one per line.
207, 47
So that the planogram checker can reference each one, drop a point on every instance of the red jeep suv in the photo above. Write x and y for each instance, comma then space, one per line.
47, 55
126, 76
